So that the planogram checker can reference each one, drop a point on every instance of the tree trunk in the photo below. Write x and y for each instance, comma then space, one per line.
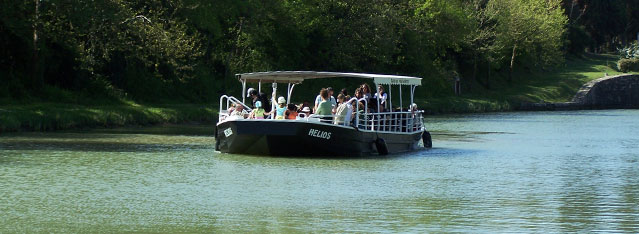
512, 64
488, 77
35, 74
476, 77
475, 67
475, 70
572, 6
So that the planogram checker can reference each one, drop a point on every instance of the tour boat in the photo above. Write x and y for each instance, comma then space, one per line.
372, 131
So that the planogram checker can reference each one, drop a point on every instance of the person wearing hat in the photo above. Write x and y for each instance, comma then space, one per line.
306, 110
259, 96
281, 108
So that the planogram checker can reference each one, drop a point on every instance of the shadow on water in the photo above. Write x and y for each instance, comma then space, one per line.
166, 129
419, 153
178, 138
455, 136
134, 139
80, 146
462, 136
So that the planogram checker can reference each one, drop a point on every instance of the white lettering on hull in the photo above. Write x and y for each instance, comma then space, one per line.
319, 134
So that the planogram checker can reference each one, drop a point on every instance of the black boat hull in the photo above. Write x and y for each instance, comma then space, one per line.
302, 138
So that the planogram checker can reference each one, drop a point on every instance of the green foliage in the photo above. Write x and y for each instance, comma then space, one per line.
607, 24
559, 85
628, 64
189, 50
83, 41
577, 39
533, 27
630, 51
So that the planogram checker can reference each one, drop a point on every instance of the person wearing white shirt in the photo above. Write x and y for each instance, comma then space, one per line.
344, 111
381, 95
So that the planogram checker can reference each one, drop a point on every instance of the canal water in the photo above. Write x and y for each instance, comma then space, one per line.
501, 172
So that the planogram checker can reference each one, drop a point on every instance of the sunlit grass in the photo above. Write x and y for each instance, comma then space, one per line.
558, 85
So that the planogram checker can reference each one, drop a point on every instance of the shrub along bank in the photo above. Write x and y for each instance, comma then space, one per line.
629, 65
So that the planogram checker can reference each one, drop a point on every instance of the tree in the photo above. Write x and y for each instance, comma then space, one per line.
529, 27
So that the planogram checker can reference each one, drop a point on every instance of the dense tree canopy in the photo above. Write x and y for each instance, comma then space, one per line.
190, 49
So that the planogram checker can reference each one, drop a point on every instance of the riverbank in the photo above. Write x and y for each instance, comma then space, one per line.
559, 85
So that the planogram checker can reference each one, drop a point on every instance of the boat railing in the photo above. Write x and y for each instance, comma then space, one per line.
224, 106
400, 121
358, 112
320, 118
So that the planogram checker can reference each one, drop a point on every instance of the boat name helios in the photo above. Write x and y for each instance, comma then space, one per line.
319, 134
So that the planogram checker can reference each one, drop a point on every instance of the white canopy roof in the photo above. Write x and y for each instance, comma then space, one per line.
297, 77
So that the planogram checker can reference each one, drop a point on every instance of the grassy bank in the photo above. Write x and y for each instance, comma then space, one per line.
57, 116
558, 85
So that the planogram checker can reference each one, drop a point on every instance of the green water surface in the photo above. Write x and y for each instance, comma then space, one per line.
501, 172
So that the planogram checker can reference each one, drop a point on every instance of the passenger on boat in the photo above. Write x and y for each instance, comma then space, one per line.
350, 105
302, 105
291, 111
411, 122
306, 111
239, 113
318, 99
280, 109
382, 96
344, 111
366, 91
358, 93
324, 107
359, 108
344, 91
231, 109
413, 109
258, 112
259, 96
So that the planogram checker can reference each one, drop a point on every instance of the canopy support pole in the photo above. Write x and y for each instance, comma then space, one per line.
390, 97
378, 96
290, 93
401, 105
274, 100
244, 91
412, 94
